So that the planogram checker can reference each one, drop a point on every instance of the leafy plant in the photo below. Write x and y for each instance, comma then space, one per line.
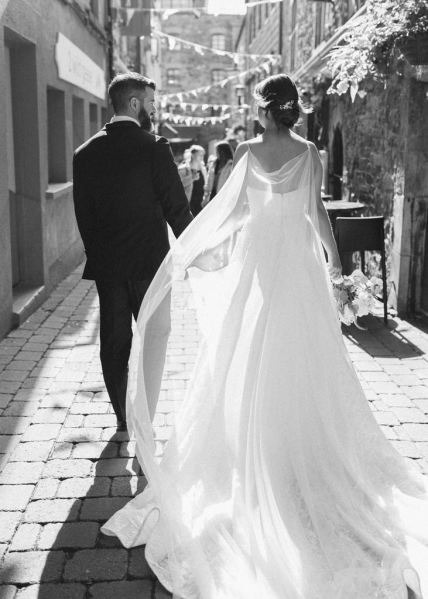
368, 48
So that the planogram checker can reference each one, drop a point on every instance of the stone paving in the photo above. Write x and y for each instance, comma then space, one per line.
65, 469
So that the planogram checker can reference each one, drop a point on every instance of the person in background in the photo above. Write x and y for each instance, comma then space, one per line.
199, 177
219, 171
193, 175
236, 136
240, 133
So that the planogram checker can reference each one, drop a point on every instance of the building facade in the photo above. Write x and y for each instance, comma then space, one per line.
134, 48
53, 80
261, 32
185, 68
375, 147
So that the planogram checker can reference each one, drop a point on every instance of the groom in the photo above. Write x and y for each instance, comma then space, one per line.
126, 189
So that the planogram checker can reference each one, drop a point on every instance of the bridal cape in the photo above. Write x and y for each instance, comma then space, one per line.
277, 482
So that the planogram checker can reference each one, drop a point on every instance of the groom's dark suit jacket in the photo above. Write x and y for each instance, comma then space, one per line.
126, 188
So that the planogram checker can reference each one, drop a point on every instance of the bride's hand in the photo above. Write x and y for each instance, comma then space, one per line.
335, 269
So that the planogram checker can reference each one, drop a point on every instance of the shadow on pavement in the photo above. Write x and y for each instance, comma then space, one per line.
37, 353
95, 565
395, 340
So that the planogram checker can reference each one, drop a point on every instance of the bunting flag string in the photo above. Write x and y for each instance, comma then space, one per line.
257, 2
176, 43
206, 106
164, 13
265, 68
179, 119
167, 12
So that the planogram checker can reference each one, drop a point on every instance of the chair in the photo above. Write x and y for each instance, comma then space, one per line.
358, 234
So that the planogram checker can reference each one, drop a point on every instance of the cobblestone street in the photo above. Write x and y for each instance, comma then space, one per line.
65, 469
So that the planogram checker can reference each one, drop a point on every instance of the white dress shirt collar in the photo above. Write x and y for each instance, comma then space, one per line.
117, 118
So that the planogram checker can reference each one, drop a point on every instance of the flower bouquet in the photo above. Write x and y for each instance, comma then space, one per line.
355, 295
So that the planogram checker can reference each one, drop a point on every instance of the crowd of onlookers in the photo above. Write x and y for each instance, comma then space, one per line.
203, 181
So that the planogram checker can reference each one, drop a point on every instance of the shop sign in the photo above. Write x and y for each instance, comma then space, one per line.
74, 66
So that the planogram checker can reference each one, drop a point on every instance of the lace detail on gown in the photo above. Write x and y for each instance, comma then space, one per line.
277, 482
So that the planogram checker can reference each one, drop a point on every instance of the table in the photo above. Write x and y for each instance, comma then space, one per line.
337, 208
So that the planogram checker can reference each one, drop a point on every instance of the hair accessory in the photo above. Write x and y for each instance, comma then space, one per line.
287, 105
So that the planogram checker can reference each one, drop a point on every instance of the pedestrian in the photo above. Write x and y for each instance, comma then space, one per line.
236, 136
219, 171
193, 175
276, 482
185, 173
126, 188
200, 175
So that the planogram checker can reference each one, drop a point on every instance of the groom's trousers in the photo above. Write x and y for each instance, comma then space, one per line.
119, 302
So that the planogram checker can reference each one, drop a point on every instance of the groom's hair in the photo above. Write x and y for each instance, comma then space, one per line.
124, 85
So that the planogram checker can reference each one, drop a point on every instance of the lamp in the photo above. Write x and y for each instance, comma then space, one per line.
240, 93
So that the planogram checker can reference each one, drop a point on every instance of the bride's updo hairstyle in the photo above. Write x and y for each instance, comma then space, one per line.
278, 95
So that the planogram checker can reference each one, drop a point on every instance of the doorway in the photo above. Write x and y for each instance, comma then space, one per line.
23, 155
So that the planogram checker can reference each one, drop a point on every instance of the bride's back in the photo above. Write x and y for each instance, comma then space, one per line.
273, 150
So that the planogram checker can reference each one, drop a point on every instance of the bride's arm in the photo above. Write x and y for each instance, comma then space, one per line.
326, 233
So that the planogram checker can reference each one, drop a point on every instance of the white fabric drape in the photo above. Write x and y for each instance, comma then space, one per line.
277, 482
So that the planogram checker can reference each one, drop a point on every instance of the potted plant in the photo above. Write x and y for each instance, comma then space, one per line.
370, 47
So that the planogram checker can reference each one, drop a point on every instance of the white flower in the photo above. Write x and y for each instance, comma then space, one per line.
359, 277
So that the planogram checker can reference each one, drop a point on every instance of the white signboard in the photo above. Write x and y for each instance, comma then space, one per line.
77, 68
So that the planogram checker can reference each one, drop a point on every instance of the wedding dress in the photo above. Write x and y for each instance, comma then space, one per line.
277, 482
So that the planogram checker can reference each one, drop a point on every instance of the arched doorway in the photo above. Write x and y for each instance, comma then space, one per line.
337, 164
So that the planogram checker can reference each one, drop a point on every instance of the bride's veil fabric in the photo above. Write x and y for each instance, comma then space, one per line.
257, 495
206, 244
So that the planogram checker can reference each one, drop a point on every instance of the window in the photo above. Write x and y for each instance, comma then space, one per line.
173, 76
78, 122
95, 8
319, 23
57, 162
218, 75
259, 16
99, 10
293, 36
178, 4
93, 118
218, 41
252, 24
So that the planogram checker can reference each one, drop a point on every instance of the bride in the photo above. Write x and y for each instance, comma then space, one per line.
276, 482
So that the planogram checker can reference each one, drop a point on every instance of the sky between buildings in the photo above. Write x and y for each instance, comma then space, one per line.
227, 6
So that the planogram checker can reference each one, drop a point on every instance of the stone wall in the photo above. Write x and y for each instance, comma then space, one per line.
374, 131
